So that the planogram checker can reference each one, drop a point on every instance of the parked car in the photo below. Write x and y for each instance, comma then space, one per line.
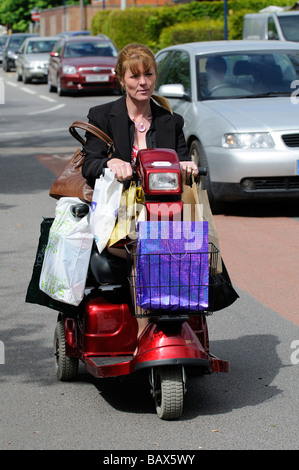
83, 63
242, 122
12, 45
2, 44
33, 58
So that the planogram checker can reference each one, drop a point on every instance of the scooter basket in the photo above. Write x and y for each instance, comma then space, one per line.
172, 283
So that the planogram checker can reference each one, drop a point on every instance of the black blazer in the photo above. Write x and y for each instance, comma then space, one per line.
113, 119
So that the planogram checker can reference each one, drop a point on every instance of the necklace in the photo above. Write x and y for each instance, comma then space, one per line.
140, 126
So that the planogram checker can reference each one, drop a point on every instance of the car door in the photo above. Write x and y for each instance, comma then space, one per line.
20, 61
54, 62
173, 69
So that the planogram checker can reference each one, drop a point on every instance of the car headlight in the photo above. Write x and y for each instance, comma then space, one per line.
12, 55
69, 69
250, 140
163, 181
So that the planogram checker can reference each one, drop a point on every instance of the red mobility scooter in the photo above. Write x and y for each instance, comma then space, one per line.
102, 331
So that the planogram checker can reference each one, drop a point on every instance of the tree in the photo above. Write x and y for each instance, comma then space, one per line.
16, 14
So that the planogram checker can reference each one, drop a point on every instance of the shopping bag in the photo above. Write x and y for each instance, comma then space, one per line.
221, 291
197, 207
71, 183
172, 268
34, 295
131, 209
104, 207
67, 255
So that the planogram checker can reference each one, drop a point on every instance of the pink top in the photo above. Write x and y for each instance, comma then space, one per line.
134, 156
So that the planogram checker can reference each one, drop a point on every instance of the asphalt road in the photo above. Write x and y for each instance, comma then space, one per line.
255, 406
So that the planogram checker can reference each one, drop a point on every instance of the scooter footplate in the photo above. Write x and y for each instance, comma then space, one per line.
101, 361
108, 366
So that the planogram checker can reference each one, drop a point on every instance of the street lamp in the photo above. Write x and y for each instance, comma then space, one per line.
64, 16
82, 15
225, 19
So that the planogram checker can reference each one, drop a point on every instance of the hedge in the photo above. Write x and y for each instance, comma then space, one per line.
204, 30
159, 27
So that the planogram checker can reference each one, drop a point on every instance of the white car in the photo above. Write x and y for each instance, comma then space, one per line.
33, 58
240, 102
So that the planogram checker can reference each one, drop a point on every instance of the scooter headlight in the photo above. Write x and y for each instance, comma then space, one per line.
163, 181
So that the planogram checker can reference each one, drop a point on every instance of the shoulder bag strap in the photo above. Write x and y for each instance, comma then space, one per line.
94, 130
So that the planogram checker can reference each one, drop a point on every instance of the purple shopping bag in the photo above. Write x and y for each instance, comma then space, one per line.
172, 268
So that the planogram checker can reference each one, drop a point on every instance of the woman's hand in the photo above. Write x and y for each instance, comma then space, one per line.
187, 168
122, 170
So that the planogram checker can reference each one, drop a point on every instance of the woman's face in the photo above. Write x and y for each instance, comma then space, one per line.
139, 85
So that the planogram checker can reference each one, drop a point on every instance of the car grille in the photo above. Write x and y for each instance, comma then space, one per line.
95, 70
291, 140
283, 183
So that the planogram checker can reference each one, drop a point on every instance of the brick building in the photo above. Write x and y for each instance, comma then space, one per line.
75, 17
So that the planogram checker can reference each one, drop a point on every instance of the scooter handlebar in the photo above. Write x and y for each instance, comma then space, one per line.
202, 171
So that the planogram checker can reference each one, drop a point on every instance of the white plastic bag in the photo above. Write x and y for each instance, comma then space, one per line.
67, 255
104, 207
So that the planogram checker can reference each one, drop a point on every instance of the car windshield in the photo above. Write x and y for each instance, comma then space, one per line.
90, 49
290, 27
2, 40
15, 42
40, 47
247, 75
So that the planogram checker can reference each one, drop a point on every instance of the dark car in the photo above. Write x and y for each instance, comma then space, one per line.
66, 34
12, 45
83, 63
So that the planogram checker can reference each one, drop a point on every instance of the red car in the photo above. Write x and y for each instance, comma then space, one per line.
83, 63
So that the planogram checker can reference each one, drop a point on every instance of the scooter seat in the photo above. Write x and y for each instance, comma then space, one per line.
106, 270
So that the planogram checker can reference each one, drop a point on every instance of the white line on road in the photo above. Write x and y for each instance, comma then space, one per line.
8, 151
31, 92
44, 97
33, 132
49, 110
12, 84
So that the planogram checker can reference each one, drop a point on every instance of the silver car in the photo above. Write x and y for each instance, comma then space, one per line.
33, 58
2, 44
240, 102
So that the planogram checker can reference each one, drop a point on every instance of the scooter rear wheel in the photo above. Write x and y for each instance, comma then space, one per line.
66, 367
168, 392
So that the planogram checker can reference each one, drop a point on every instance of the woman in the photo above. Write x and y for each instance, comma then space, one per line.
134, 121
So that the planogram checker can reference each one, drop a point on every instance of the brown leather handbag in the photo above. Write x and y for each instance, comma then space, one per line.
71, 183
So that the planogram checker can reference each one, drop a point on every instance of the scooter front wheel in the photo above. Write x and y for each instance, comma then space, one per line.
168, 391
66, 367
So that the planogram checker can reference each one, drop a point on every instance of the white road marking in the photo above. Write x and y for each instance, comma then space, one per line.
49, 110
33, 132
28, 90
12, 84
8, 151
44, 97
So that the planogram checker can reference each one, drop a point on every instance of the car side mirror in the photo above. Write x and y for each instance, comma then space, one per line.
175, 90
